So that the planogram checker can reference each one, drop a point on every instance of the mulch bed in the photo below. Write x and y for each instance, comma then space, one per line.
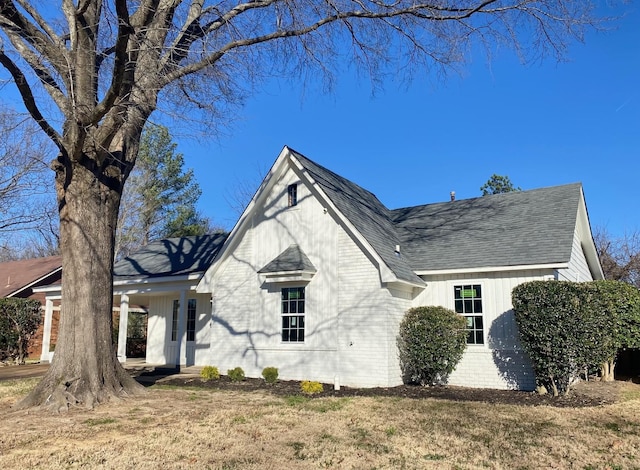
589, 394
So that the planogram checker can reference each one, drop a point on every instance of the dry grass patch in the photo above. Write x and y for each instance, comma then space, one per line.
193, 428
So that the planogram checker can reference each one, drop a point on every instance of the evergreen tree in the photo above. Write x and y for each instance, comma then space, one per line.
160, 198
498, 184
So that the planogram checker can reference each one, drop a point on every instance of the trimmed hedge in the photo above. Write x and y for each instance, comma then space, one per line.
569, 327
431, 342
622, 302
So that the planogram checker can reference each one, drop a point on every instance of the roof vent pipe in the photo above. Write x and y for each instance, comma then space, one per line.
452, 194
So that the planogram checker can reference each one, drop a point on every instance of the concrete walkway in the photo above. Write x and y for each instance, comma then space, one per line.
23, 371
139, 368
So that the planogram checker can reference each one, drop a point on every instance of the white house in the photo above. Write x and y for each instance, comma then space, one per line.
317, 274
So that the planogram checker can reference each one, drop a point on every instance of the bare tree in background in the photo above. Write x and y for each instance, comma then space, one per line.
27, 199
92, 73
240, 195
619, 256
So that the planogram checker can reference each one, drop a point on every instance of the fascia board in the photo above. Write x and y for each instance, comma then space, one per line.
48, 289
34, 282
156, 280
276, 170
386, 274
287, 276
487, 269
586, 238
156, 285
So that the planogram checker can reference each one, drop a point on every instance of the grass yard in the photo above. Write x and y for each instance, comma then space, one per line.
193, 428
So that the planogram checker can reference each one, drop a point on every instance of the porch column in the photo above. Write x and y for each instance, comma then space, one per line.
46, 331
122, 328
181, 343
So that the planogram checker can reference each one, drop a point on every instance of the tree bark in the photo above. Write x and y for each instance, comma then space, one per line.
85, 370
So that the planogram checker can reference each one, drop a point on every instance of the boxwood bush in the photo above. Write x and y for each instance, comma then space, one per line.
210, 373
270, 374
236, 375
431, 342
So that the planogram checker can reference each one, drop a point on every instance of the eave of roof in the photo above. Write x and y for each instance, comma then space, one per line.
24, 274
171, 257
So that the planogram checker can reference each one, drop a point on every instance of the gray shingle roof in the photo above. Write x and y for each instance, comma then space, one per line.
291, 259
368, 215
171, 256
510, 229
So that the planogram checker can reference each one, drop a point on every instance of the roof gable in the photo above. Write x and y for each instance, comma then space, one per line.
171, 257
17, 276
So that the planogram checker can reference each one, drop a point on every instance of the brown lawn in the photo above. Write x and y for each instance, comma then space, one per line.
193, 428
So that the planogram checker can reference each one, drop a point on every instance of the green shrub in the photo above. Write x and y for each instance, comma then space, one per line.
19, 320
431, 342
270, 374
566, 328
311, 388
210, 373
621, 302
236, 375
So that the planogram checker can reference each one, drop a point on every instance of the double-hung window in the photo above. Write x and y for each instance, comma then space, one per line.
468, 303
292, 311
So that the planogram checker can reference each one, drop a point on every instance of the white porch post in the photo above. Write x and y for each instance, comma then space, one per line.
181, 343
46, 331
122, 328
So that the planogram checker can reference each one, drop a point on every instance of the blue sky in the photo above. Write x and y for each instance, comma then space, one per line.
542, 125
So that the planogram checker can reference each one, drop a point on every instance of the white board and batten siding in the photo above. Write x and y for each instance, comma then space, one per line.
161, 349
349, 316
246, 311
500, 362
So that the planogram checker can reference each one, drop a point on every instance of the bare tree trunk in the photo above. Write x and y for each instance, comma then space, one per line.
607, 370
85, 370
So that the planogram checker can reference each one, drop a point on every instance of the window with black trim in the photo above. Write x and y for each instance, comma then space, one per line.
292, 192
191, 319
292, 310
174, 320
468, 303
